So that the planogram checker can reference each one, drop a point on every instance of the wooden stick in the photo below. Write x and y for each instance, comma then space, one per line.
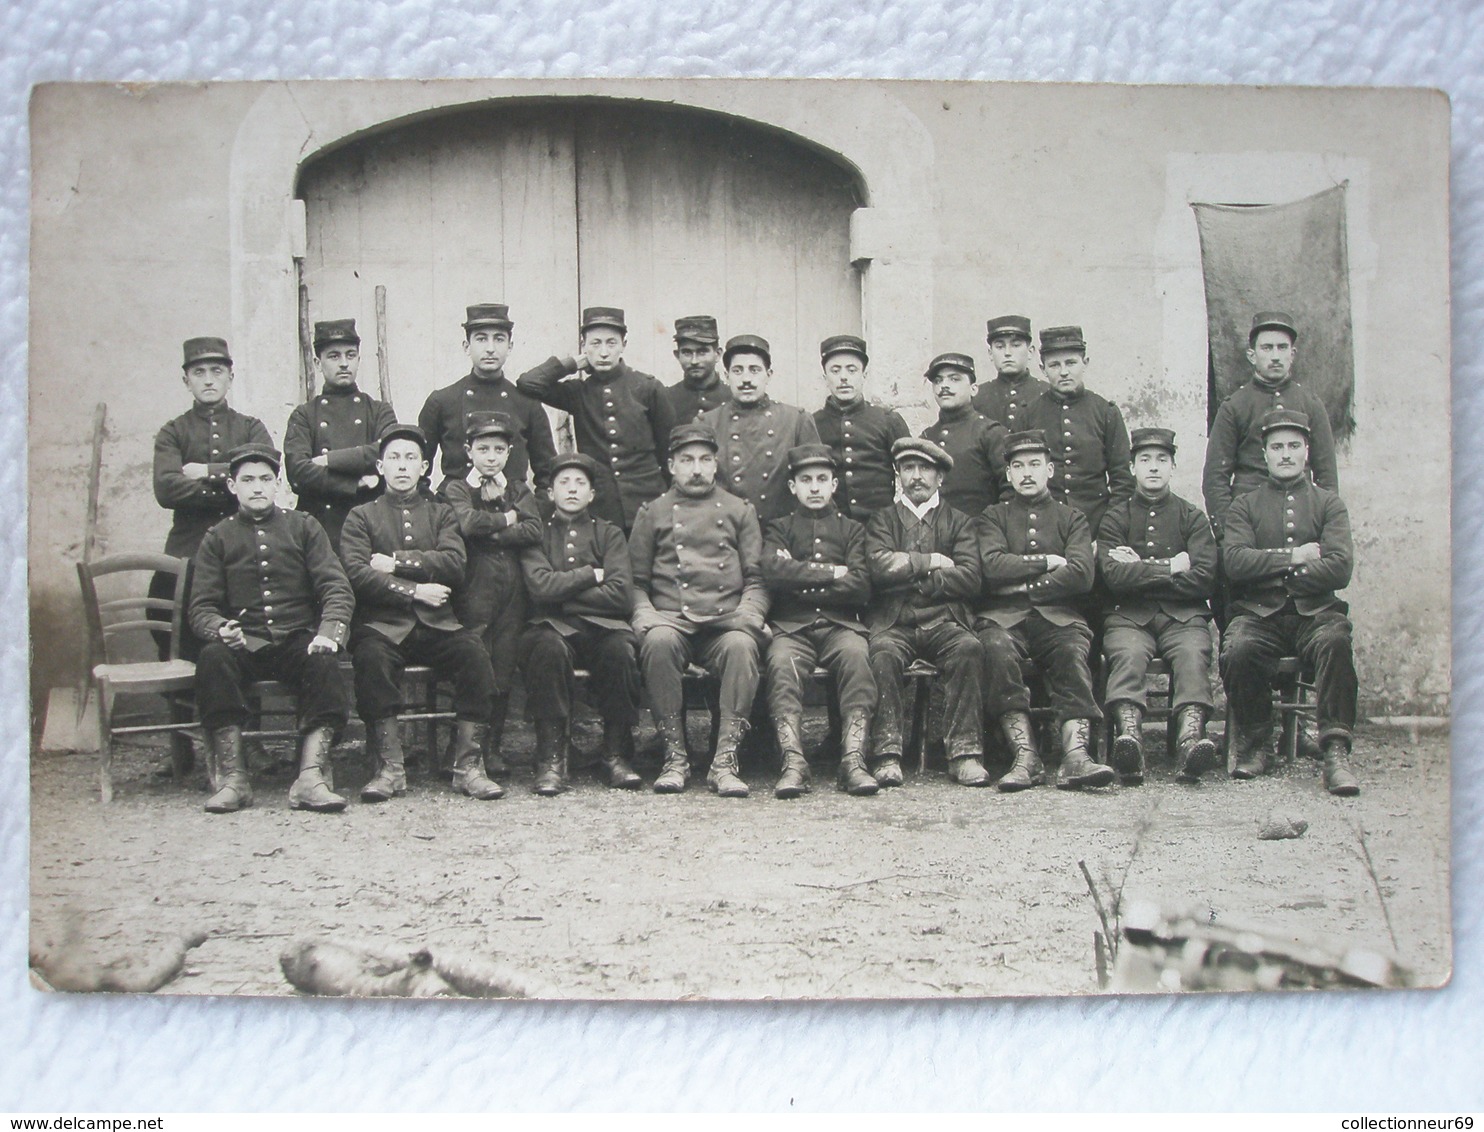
383, 367
1097, 902
95, 472
306, 341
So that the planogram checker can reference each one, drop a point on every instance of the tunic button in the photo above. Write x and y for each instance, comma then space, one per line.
265, 562
357, 420
1031, 531
267, 609
324, 424
468, 393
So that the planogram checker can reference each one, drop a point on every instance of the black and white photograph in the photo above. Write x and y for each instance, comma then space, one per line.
620, 539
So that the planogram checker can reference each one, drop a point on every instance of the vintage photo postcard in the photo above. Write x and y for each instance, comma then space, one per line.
629, 539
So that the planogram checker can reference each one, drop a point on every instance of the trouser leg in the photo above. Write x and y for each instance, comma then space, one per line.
845, 654
958, 653
1186, 647
1249, 654
890, 653
1324, 643
546, 661
501, 639
315, 677
378, 665
1061, 653
791, 658
219, 678
1004, 681
458, 656
732, 657
611, 655
663, 654
1128, 649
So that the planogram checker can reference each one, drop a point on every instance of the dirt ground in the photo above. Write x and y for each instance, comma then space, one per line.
931, 889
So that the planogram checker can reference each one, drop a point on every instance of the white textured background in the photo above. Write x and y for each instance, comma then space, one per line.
1357, 1053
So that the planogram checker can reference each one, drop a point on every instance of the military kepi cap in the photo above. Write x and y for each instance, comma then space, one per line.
247, 453
580, 460
693, 433
480, 315
1152, 438
951, 361
808, 455
603, 316
336, 330
747, 344
1009, 324
1285, 418
402, 432
491, 424
1031, 440
204, 350
923, 449
1062, 338
697, 328
1272, 320
844, 344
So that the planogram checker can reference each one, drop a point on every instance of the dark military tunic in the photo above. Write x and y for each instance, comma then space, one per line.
752, 462
861, 436
977, 445
1089, 443
687, 401
622, 419
343, 425
445, 422
202, 435
1009, 401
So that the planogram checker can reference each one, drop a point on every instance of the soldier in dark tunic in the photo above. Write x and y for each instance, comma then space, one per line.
860, 433
329, 444
1158, 559
622, 418
488, 337
1287, 551
814, 562
698, 350
581, 591
976, 443
271, 602
1010, 395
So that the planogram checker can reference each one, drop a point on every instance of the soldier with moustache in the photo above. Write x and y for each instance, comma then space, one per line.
329, 445
489, 335
976, 443
754, 431
1287, 551
814, 563
1036, 555
701, 388
1013, 391
621, 417
271, 602
1158, 558
860, 433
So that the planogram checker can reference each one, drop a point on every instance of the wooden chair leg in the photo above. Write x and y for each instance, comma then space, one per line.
916, 750
105, 741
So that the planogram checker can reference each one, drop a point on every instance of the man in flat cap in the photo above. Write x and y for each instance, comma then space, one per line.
1287, 551
1158, 558
404, 557
814, 563
488, 337
1235, 460
859, 433
581, 592
271, 602
498, 519
622, 418
329, 445
976, 443
699, 598
754, 431
1086, 433
1036, 554
1010, 395
698, 350
924, 570
190, 468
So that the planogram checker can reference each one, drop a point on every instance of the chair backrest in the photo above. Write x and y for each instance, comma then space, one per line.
113, 620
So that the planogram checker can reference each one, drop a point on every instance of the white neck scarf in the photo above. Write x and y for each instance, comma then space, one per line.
474, 479
920, 512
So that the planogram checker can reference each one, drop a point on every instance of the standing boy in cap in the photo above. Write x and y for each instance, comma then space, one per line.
1013, 391
582, 596
976, 443
814, 562
404, 557
697, 349
190, 472
1088, 439
498, 519
622, 418
329, 446
488, 337
1287, 551
754, 431
924, 570
1235, 459
271, 602
1158, 558
1037, 560
698, 598
860, 433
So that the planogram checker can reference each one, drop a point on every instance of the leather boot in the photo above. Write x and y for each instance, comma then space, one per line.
551, 758
1197, 754
968, 770
1337, 777
1252, 751
385, 736
312, 790
887, 770
232, 785
675, 773
494, 760
618, 749
468, 769
854, 777
1128, 744
1027, 770
795, 777
723, 777
1077, 768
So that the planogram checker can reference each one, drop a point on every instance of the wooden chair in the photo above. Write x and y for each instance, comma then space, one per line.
111, 622
1295, 689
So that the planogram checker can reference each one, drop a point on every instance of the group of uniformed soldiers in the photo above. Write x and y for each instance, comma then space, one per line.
706, 523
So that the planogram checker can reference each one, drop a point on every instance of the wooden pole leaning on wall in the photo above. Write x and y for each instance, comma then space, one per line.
306, 340
95, 474
383, 367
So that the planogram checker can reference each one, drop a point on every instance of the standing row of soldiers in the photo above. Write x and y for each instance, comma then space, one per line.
978, 553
